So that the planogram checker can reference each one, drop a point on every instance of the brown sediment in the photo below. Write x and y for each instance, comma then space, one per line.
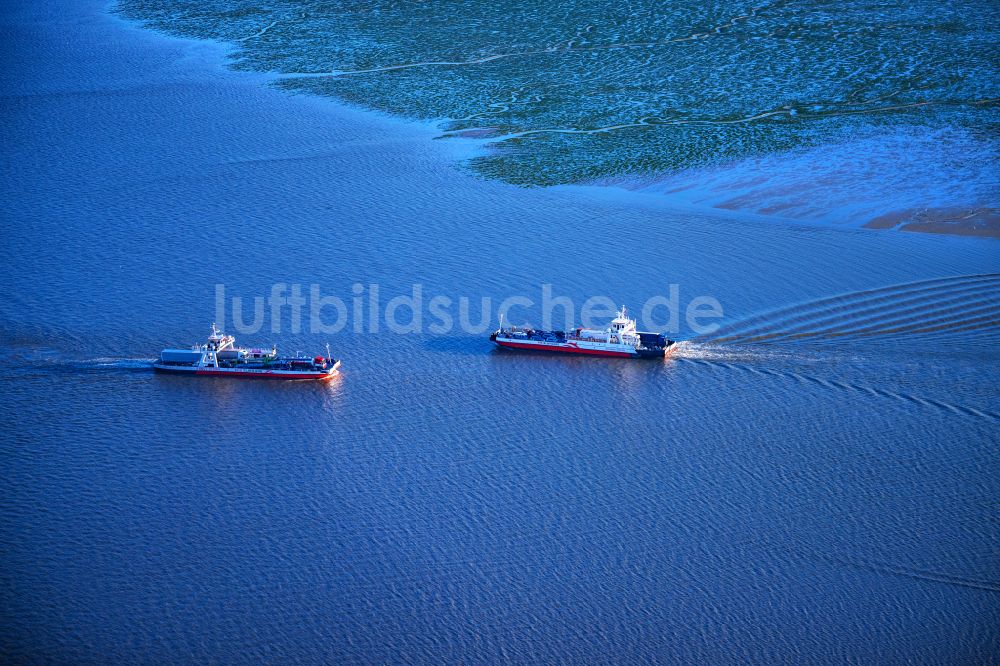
776, 209
982, 222
988, 229
791, 195
889, 220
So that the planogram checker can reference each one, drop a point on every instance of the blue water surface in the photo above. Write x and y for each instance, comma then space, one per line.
814, 484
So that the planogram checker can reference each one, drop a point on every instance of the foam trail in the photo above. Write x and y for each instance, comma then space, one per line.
119, 363
260, 32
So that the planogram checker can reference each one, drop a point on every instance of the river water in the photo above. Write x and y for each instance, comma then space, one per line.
814, 482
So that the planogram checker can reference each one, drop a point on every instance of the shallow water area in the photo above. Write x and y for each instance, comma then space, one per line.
851, 112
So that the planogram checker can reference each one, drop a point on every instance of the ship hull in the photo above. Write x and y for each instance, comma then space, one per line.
247, 373
581, 347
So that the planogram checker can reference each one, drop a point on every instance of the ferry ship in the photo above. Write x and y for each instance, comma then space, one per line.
620, 339
220, 357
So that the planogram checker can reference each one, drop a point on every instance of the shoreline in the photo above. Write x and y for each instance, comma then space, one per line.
213, 58
464, 145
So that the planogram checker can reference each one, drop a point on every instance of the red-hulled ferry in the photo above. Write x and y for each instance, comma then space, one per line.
219, 357
619, 339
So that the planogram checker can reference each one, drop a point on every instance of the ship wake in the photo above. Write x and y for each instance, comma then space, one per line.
963, 307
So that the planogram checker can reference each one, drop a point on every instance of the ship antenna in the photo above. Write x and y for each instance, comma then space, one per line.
501, 321
329, 357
